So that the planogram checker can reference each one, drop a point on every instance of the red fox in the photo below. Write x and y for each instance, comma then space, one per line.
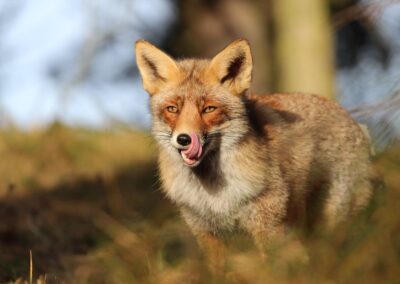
231, 160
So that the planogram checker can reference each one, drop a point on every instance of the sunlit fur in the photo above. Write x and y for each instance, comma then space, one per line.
269, 162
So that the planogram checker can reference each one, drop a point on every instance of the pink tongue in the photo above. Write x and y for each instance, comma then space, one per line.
195, 149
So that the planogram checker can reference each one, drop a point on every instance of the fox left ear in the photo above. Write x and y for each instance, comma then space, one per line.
232, 67
155, 66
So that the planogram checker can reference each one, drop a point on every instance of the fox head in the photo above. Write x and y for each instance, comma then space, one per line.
197, 105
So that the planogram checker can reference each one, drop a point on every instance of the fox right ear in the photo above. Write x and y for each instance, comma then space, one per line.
155, 67
232, 67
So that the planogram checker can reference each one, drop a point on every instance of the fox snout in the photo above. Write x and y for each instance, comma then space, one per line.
190, 146
183, 139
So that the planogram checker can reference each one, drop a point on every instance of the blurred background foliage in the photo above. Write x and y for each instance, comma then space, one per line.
78, 178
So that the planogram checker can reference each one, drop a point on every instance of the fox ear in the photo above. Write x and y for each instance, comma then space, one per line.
232, 67
155, 67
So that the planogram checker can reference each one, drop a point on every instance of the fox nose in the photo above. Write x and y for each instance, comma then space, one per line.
183, 139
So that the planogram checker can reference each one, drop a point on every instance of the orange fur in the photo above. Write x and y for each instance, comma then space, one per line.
268, 162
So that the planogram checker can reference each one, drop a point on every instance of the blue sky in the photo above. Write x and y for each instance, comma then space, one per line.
45, 44
43, 48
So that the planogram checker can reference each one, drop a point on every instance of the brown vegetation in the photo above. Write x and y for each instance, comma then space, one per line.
87, 204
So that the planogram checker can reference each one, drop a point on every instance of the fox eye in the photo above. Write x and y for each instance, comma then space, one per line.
209, 109
172, 109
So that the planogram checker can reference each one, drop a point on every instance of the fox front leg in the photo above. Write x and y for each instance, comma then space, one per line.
211, 245
214, 250
266, 236
264, 220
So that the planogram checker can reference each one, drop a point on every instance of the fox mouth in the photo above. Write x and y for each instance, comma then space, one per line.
193, 154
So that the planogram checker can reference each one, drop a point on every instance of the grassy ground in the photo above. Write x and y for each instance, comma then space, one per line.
87, 205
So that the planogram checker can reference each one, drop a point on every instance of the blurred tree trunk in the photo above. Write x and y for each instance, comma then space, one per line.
303, 47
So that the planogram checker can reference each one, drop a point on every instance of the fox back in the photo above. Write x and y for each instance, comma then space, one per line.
259, 163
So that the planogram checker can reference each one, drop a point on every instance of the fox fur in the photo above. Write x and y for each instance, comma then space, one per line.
269, 162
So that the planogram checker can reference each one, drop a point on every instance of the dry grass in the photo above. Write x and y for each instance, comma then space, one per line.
87, 204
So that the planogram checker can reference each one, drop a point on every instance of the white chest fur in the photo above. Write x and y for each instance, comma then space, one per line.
216, 201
